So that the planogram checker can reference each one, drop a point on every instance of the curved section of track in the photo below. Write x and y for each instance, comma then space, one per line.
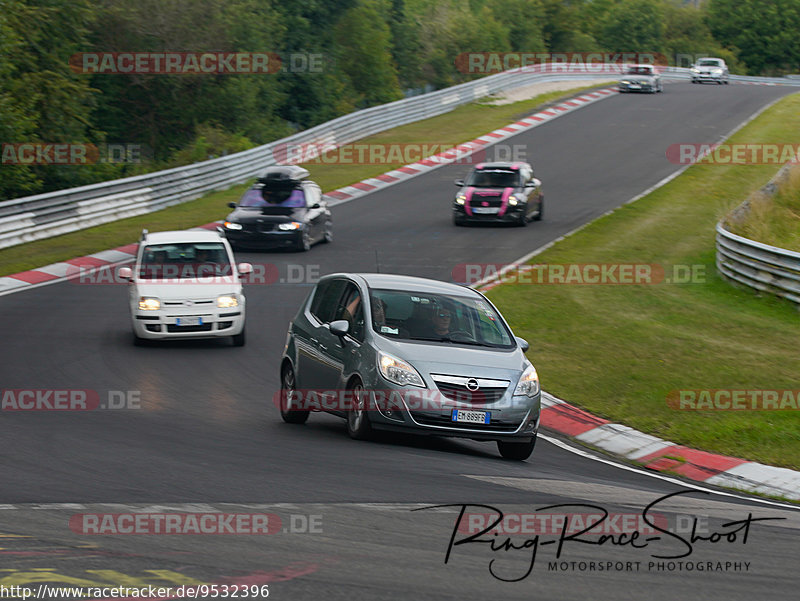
207, 432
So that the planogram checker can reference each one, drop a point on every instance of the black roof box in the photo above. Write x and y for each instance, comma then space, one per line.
283, 174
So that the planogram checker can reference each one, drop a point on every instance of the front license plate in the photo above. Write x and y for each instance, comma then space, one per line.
485, 210
189, 321
470, 417
634, 86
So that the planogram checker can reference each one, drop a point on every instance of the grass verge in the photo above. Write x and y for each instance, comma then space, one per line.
462, 124
774, 220
619, 351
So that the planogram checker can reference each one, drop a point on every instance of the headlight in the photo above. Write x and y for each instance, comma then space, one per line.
292, 225
149, 303
232, 226
512, 200
625, 81
716, 71
528, 383
398, 371
227, 301
461, 199
695, 70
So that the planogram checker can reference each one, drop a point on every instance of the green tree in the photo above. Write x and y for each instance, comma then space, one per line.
364, 51
634, 26
762, 34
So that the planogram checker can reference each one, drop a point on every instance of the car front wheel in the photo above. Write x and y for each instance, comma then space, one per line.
358, 426
518, 451
288, 387
239, 339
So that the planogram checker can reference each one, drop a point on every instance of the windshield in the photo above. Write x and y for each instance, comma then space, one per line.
254, 197
494, 178
708, 63
640, 71
188, 260
462, 320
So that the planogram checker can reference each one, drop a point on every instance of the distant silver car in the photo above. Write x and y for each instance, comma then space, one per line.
641, 78
404, 353
710, 69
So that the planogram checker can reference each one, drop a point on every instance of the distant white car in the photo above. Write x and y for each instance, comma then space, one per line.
710, 69
185, 284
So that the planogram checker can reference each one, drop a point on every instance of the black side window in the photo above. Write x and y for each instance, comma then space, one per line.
351, 308
326, 298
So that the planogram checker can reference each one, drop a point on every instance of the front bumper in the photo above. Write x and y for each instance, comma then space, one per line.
512, 215
426, 411
264, 240
164, 324
644, 87
701, 77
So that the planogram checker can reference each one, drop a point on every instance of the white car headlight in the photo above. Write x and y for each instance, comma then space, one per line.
233, 226
625, 81
695, 70
292, 225
226, 301
716, 71
149, 303
398, 371
512, 200
461, 199
528, 383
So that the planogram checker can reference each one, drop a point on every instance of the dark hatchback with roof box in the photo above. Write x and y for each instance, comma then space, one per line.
283, 209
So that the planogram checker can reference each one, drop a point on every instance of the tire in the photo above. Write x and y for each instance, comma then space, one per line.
288, 385
358, 426
540, 214
457, 221
517, 451
139, 341
239, 339
327, 238
523, 220
304, 244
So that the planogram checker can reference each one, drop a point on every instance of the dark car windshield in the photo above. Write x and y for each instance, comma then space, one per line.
462, 320
254, 197
708, 63
494, 178
640, 71
187, 260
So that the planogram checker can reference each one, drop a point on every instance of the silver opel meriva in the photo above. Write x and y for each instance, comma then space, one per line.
395, 352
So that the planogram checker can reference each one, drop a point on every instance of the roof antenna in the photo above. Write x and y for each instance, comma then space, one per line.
377, 263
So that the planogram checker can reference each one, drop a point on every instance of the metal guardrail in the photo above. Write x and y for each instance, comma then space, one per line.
756, 265
54, 213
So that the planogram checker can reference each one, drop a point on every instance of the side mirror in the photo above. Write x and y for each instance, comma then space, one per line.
316, 205
459, 182
530, 184
244, 268
232, 205
126, 273
523, 344
340, 327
